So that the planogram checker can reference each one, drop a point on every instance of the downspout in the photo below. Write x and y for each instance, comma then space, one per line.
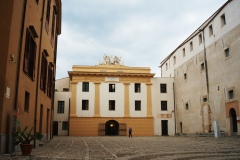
174, 112
53, 85
205, 61
206, 71
39, 55
18, 70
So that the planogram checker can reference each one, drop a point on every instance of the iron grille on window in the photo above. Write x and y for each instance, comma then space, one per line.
111, 87
163, 88
111, 105
163, 105
60, 107
64, 125
137, 87
85, 86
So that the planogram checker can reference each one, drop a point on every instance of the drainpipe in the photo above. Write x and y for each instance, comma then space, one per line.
18, 71
37, 84
174, 109
206, 69
205, 61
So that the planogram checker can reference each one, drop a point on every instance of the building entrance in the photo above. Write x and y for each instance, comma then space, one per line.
112, 128
233, 120
55, 128
164, 127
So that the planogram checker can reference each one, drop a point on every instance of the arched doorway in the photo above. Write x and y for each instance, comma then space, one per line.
112, 128
233, 120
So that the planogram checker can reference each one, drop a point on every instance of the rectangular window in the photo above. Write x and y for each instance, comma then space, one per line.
205, 99
200, 38
137, 105
111, 87
227, 52
50, 81
111, 105
137, 87
191, 46
184, 54
61, 105
230, 94
223, 20
186, 106
65, 125
85, 86
202, 67
210, 30
43, 76
185, 76
174, 60
48, 15
29, 55
163, 105
84, 104
26, 102
163, 88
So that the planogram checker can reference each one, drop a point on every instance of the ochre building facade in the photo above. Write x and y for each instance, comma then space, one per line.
28, 50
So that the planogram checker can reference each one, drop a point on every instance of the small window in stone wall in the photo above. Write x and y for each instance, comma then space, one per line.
186, 106
231, 94
185, 76
210, 30
223, 20
202, 66
200, 38
184, 54
205, 99
227, 52
191, 46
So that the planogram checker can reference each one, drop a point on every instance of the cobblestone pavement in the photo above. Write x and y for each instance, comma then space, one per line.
136, 148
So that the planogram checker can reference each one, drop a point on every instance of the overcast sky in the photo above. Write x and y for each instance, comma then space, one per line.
142, 32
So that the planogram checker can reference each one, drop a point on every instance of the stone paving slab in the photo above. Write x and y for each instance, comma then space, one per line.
136, 148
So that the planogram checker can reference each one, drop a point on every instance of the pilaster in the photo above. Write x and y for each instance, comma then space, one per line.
73, 99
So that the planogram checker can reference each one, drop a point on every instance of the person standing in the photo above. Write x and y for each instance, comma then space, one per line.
130, 132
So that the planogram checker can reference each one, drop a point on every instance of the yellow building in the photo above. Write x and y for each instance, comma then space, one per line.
29, 33
110, 97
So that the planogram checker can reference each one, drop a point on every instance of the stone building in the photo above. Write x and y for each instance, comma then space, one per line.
110, 97
206, 73
28, 51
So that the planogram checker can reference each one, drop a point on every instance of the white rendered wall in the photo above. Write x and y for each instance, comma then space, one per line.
105, 96
142, 96
60, 117
156, 105
85, 96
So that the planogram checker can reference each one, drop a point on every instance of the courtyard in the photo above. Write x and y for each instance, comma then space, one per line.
136, 148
